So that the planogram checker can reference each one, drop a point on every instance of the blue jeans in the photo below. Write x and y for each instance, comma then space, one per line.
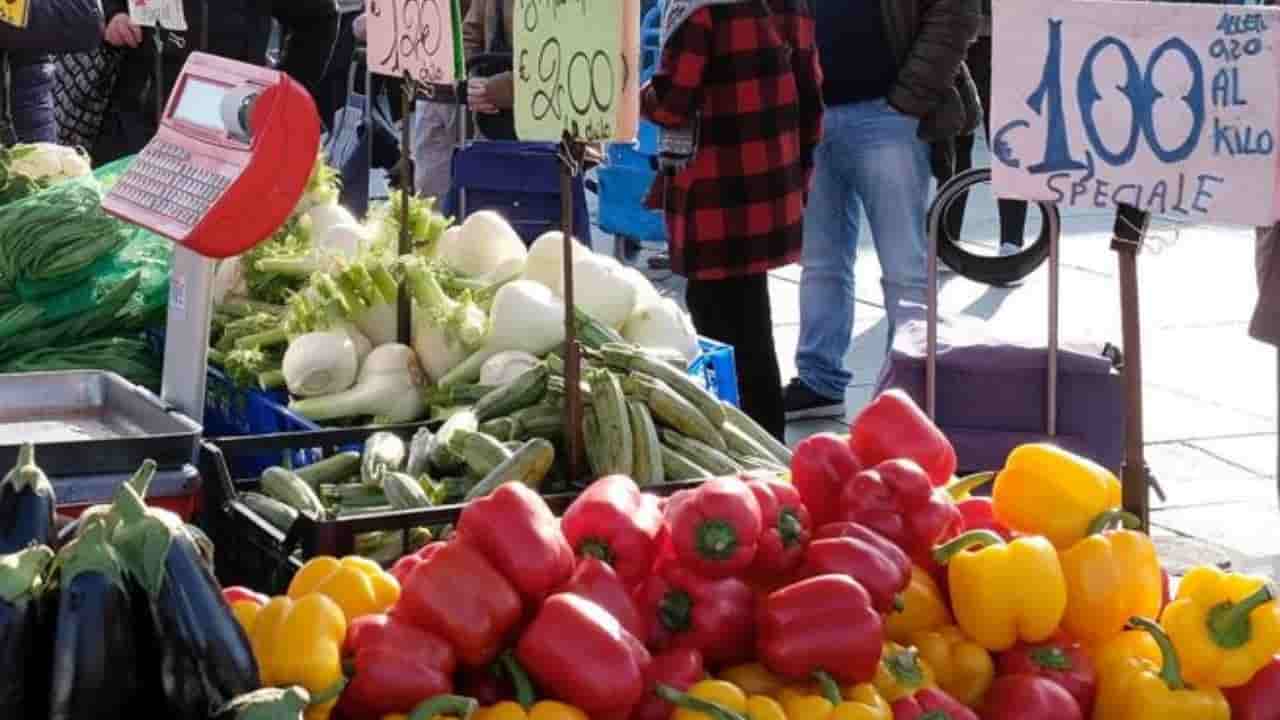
869, 158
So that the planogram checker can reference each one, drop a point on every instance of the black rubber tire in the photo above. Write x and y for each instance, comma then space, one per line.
988, 269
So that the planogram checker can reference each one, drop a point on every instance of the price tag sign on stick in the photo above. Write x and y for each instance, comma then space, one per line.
577, 69
1170, 108
15, 12
420, 37
168, 14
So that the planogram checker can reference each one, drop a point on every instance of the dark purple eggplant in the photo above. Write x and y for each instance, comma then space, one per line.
266, 704
205, 659
94, 667
22, 674
26, 505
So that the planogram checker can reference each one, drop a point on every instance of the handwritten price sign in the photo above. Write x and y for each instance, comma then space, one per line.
1171, 108
14, 12
420, 37
577, 65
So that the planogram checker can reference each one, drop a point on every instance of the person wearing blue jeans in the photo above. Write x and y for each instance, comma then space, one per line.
897, 93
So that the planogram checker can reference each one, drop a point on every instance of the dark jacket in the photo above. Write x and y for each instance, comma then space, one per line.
930, 39
236, 29
54, 26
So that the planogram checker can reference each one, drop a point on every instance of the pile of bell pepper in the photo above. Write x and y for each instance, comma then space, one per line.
868, 584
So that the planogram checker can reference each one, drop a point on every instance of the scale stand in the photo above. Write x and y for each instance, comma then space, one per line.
186, 339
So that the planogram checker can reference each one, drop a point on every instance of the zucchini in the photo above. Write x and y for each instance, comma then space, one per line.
527, 389
455, 395
750, 463
541, 421
632, 358
752, 429
280, 515
351, 492
481, 453
701, 453
592, 333
672, 409
362, 511
419, 444
613, 423
331, 470
386, 546
404, 492
285, 486
646, 468
740, 443
500, 428
678, 468
383, 452
528, 466
593, 443
439, 456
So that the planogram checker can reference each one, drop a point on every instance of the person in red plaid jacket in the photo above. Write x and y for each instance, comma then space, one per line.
743, 77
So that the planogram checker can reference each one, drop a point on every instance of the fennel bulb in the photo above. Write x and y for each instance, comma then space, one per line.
320, 363
506, 366
389, 385
602, 290
525, 316
445, 331
483, 243
545, 263
663, 325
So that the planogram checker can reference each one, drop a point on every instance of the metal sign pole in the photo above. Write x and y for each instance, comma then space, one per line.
408, 93
1130, 229
571, 155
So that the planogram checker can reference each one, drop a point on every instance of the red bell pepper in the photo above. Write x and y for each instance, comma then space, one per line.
597, 582
488, 685
820, 467
1059, 660
680, 669
405, 565
611, 520
237, 593
1258, 699
932, 704
894, 427
978, 512
715, 532
516, 531
397, 666
896, 500
458, 594
681, 609
785, 528
1019, 697
580, 654
850, 549
824, 624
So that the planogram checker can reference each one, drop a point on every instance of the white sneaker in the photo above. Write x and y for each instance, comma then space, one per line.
1007, 249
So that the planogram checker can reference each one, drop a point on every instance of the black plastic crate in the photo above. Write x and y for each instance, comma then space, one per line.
252, 552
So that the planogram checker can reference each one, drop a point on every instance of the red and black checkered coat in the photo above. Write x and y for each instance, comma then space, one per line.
737, 208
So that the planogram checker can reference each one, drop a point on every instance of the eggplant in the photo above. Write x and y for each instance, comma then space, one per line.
26, 505
205, 660
95, 659
267, 704
22, 674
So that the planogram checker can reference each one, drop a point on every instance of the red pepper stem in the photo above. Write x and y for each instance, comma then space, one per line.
936, 715
1050, 657
960, 489
789, 527
716, 540
980, 538
1170, 667
598, 549
1105, 520
715, 711
827, 684
519, 679
1228, 622
331, 693
454, 705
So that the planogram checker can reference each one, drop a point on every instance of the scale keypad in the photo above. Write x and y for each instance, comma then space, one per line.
165, 181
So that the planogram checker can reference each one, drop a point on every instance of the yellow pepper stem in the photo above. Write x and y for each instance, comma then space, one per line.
980, 538
1228, 622
713, 710
1105, 520
830, 689
960, 489
454, 705
904, 666
519, 679
1170, 667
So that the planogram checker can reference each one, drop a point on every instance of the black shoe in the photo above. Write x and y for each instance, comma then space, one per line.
801, 403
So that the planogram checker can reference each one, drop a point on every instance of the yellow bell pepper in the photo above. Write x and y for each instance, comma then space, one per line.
963, 668
1044, 490
1111, 576
720, 700
1139, 689
1002, 593
358, 585
544, 710
300, 643
1225, 626
923, 608
442, 707
753, 679
902, 672
826, 701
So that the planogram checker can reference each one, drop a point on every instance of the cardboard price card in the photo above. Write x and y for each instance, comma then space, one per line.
577, 69
1171, 108
421, 37
15, 12
168, 14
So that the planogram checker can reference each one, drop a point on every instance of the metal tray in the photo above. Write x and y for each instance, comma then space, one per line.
91, 421
100, 488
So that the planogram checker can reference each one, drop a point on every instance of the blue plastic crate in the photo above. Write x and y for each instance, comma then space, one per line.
716, 369
232, 411
622, 211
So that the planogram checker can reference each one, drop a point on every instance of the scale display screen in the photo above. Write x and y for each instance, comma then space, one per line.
201, 104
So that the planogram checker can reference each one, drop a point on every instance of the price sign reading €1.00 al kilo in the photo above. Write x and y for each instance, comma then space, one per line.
420, 37
576, 69
1171, 108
